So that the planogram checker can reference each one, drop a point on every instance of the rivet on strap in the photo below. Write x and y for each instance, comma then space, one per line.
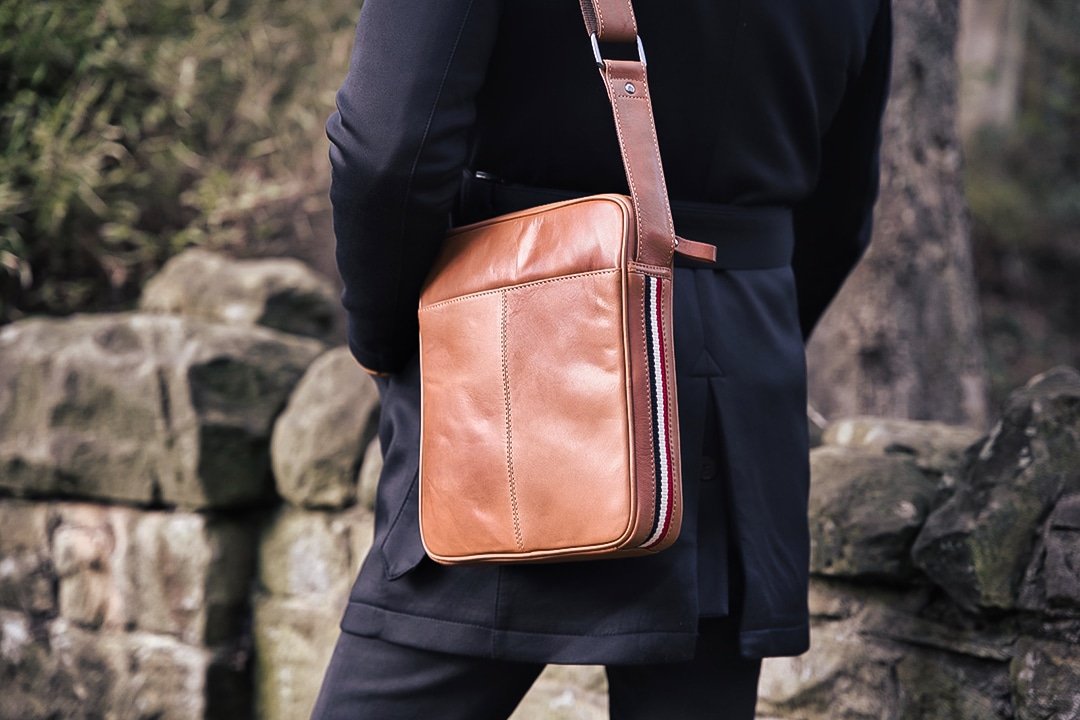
628, 91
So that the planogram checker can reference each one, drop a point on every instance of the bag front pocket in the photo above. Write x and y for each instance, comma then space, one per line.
525, 446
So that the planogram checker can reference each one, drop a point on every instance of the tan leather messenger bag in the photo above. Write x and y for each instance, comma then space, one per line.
549, 425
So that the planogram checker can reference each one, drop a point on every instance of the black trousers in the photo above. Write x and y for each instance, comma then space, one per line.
371, 679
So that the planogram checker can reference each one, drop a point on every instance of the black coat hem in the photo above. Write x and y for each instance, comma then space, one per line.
561, 649
775, 642
515, 645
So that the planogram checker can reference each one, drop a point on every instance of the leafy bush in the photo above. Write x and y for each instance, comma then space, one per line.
130, 129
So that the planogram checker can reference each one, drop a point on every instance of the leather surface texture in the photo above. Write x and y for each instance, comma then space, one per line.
611, 20
548, 422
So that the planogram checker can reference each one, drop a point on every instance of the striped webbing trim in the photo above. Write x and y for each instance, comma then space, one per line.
658, 397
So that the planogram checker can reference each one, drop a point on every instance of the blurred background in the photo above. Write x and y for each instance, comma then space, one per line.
132, 130
1020, 124
185, 487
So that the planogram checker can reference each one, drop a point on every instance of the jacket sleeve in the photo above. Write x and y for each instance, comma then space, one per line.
398, 142
833, 226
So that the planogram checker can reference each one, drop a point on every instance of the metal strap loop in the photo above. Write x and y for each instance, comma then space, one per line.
600, 59
628, 91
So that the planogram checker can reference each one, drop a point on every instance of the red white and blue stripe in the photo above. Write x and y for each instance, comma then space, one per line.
658, 397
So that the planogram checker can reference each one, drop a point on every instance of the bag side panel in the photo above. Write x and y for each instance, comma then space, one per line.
656, 455
674, 518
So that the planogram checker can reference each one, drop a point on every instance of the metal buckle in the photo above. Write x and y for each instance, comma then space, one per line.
600, 59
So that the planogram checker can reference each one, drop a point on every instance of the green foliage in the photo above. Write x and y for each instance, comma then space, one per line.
130, 129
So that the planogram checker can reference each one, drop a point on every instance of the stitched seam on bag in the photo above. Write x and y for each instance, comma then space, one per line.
526, 213
656, 271
522, 286
509, 432
599, 17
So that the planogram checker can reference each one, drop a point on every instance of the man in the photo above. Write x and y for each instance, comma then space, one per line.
768, 121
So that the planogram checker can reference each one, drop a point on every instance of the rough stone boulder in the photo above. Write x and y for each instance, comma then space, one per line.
1046, 679
873, 483
143, 408
307, 563
865, 511
27, 578
881, 652
280, 293
320, 438
314, 554
55, 669
1062, 554
935, 446
1051, 583
991, 631
978, 545
109, 611
293, 641
370, 470
112, 568
566, 692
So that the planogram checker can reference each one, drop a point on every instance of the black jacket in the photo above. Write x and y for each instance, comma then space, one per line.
766, 103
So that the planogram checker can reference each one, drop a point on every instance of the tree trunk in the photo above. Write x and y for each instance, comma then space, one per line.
902, 339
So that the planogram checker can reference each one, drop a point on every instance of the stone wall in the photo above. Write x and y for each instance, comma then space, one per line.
186, 494
324, 456
946, 569
144, 549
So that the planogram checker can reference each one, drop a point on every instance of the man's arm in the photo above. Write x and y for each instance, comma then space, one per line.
833, 226
398, 142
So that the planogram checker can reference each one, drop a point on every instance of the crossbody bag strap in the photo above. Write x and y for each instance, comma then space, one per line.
610, 20
628, 90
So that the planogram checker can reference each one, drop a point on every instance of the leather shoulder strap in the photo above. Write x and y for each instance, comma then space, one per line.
610, 20
628, 90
